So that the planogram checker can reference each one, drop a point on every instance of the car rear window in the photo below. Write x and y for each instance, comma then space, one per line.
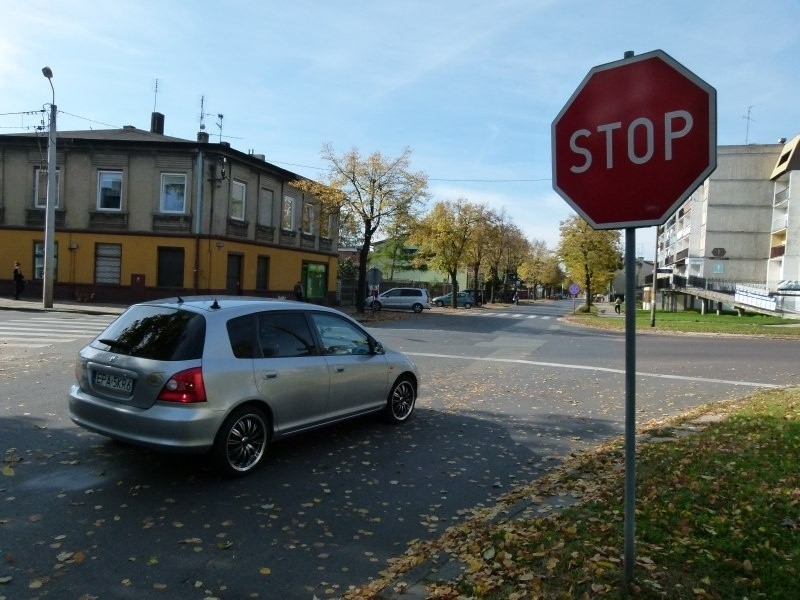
157, 333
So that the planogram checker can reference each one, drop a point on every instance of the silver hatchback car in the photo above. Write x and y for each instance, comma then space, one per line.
229, 375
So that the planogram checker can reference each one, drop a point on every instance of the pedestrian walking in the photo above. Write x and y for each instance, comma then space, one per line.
298, 291
618, 306
19, 280
516, 298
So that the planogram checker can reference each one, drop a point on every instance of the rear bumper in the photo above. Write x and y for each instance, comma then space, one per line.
178, 427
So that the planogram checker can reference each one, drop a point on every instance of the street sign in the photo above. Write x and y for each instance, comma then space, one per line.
574, 289
374, 276
634, 140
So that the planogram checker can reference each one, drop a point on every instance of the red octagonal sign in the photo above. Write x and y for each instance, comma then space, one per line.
634, 141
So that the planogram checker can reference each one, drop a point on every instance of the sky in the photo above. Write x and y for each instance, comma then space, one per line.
471, 87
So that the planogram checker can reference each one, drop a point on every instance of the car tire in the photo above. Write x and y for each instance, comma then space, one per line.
417, 308
401, 401
439, 303
242, 441
467, 305
376, 305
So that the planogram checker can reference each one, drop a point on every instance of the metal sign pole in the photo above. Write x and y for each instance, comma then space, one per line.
630, 402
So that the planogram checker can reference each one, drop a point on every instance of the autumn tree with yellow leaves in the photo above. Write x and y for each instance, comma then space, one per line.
372, 193
591, 256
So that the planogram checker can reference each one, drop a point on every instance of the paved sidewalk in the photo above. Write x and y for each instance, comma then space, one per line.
31, 304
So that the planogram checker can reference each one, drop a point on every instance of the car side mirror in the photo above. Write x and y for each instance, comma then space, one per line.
377, 347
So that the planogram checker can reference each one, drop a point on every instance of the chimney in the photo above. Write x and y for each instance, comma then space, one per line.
157, 123
202, 137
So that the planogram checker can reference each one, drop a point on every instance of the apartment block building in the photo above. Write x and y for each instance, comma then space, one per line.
736, 229
783, 267
141, 215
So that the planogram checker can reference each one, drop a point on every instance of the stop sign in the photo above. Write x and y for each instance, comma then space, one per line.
634, 141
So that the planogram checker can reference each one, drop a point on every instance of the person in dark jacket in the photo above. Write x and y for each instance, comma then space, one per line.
298, 291
19, 281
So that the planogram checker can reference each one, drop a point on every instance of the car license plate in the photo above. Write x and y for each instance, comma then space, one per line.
118, 383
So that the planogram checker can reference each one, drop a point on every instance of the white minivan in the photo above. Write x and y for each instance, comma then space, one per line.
416, 299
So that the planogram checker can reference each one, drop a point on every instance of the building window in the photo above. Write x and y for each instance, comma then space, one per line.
109, 190
170, 267
266, 199
238, 194
40, 187
107, 263
287, 214
308, 218
173, 193
262, 273
38, 260
326, 226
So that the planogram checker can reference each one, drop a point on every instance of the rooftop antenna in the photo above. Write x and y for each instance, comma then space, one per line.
155, 96
220, 116
748, 119
202, 114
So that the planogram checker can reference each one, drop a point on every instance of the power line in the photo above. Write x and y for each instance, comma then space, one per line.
278, 162
316, 168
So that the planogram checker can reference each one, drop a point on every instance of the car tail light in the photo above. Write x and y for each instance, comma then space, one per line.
185, 387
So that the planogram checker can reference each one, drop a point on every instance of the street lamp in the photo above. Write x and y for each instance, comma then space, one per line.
50, 213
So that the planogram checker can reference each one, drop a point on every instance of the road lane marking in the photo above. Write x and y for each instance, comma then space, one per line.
600, 369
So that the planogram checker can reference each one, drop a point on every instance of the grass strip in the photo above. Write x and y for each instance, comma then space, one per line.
717, 516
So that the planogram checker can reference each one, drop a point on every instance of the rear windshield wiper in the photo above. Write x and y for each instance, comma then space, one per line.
114, 344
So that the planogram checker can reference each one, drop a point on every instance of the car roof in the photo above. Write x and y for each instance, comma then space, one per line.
213, 304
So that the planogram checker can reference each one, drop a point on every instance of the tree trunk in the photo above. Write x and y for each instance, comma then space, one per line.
363, 257
454, 283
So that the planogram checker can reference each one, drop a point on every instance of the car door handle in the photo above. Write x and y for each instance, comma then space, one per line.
340, 369
269, 375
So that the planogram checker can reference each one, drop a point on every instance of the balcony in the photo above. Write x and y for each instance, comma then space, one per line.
777, 251
781, 197
265, 233
780, 223
237, 228
34, 217
108, 221
308, 240
288, 238
172, 223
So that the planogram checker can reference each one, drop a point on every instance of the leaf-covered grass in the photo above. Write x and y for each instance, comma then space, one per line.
717, 516
691, 321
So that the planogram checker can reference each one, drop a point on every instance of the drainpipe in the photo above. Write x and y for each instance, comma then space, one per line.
198, 216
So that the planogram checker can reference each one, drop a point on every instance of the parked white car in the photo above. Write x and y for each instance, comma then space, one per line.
402, 298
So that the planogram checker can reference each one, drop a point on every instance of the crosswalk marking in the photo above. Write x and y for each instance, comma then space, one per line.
40, 332
504, 315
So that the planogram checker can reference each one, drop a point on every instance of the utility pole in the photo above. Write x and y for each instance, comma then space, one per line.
654, 288
50, 212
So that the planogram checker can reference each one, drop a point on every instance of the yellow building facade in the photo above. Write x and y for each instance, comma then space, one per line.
141, 215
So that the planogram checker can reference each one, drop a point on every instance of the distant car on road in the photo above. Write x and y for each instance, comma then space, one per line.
462, 299
229, 375
416, 299
477, 294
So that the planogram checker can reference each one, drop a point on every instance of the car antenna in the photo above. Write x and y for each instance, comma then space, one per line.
216, 305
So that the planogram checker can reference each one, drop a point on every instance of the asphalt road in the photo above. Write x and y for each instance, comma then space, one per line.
506, 394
